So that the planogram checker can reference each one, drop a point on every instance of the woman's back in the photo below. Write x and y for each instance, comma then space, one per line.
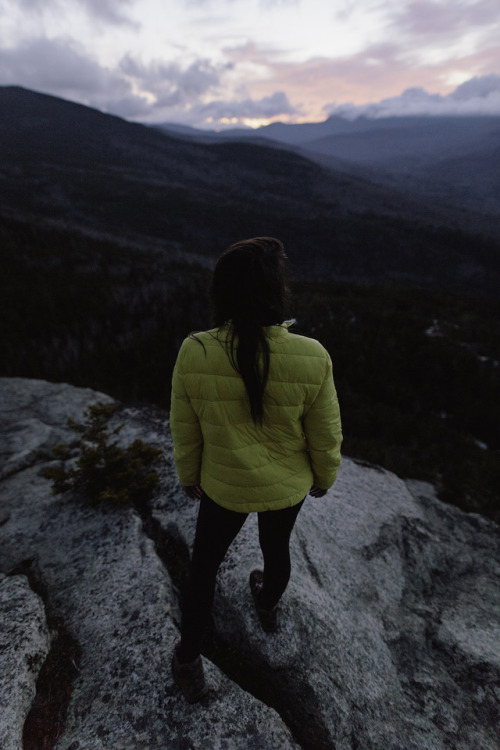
245, 465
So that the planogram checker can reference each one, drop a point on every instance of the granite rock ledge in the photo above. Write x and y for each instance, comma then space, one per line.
391, 623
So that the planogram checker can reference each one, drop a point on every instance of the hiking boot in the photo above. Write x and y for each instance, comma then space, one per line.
269, 618
189, 677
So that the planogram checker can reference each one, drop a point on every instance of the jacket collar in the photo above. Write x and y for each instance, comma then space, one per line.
275, 331
280, 329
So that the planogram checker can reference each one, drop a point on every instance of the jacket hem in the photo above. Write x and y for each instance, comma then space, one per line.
260, 505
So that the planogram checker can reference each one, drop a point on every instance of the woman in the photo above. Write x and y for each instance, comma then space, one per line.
256, 426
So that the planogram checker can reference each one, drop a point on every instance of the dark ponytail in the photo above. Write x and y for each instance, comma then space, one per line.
249, 290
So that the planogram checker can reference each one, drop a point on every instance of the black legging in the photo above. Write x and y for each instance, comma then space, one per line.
215, 530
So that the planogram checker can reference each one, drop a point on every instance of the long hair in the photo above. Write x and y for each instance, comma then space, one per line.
249, 290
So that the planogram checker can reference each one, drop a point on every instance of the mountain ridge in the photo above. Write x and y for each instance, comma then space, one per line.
398, 151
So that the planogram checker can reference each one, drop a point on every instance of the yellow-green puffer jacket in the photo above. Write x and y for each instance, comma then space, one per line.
242, 466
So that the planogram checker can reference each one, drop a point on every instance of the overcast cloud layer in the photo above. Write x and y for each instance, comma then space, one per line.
219, 63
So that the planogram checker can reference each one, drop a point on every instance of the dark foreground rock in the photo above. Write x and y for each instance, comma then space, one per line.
390, 635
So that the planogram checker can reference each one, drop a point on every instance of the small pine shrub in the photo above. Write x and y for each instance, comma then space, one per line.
104, 471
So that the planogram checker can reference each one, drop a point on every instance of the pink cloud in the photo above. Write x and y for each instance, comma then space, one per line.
375, 74
359, 78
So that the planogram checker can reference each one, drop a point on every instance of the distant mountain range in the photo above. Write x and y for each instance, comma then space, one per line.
68, 164
452, 159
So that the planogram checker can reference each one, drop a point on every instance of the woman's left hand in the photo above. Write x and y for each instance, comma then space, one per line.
317, 491
193, 491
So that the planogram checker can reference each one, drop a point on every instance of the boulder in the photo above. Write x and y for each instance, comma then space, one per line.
390, 634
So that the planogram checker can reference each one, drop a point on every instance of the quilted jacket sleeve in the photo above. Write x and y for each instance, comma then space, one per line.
185, 427
323, 431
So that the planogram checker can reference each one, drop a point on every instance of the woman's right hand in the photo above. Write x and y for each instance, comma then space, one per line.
317, 491
193, 491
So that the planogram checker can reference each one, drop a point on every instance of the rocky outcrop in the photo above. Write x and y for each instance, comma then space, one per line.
390, 633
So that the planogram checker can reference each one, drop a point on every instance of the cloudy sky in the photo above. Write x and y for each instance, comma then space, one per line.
220, 63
